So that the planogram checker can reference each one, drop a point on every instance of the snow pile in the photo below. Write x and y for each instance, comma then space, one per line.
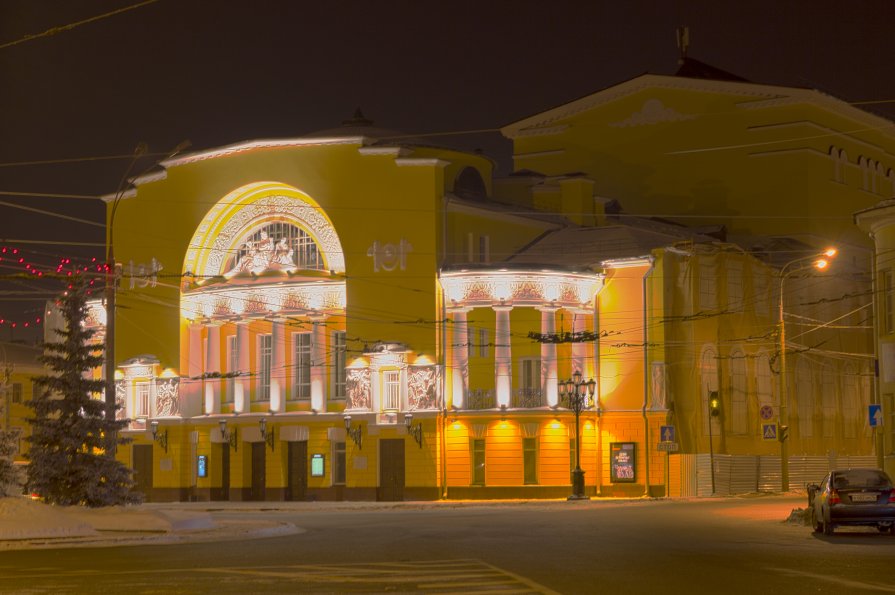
21, 518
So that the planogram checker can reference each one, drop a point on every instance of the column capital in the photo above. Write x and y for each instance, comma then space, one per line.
547, 308
502, 307
458, 309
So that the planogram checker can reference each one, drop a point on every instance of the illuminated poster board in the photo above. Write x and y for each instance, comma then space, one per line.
203, 466
622, 459
318, 465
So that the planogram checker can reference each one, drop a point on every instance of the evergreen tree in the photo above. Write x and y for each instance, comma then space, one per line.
10, 476
71, 435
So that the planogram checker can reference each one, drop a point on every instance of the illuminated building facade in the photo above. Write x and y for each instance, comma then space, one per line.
343, 316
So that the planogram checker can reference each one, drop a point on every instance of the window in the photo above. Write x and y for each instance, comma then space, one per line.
760, 286
483, 342
530, 460
141, 399
889, 405
707, 298
739, 417
828, 401
391, 390
484, 249
232, 366
277, 245
17, 392
763, 383
888, 313
804, 392
470, 250
301, 365
709, 381
734, 285
849, 402
477, 446
340, 353
338, 463
573, 447
265, 353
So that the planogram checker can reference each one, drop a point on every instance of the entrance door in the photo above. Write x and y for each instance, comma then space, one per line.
143, 470
259, 458
391, 470
297, 465
223, 492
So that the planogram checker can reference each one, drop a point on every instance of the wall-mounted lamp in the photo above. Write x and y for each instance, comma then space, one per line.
353, 433
230, 437
414, 430
265, 435
161, 438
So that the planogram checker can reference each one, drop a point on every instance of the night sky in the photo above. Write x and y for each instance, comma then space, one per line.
220, 71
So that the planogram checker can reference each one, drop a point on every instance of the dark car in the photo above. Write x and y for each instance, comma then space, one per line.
853, 497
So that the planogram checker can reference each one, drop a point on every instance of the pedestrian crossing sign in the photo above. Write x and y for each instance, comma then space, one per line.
769, 431
666, 433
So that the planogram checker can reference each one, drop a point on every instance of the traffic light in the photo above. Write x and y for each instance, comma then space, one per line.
782, 433
714, 403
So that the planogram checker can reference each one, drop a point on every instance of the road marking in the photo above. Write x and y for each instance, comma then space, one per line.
836, 580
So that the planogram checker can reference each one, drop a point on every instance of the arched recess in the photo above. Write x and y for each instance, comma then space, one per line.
248, 208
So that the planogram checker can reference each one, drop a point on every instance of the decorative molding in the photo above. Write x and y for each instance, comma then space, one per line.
653, 112
283, 299
167, 397
423, 383
520, 288
263, 144
359, 389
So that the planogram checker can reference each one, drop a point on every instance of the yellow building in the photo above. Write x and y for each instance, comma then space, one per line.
18, 364
345, 316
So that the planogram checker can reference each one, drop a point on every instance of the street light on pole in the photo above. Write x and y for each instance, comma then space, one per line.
109, 352
578, 392
820, 261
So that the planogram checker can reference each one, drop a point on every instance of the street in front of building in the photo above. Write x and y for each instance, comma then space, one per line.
734, 545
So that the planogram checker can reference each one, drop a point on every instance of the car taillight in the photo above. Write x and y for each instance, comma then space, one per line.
834, 497
891, 496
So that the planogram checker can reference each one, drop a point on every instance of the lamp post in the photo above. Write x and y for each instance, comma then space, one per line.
821, 261
109, 349
578, 393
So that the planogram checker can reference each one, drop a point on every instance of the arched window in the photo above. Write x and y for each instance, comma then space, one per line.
837, 164
828, 400
708, 371
739, 413
804, 394
469, 185
865, 166
890, 177
276, 246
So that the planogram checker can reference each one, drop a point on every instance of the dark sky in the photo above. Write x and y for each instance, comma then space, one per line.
221, 71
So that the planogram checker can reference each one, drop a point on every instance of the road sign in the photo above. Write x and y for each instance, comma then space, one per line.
766, 412
666, 433
875, 415
669, 446
769, 431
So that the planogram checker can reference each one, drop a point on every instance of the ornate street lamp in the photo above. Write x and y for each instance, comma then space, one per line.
820, 261
577, 393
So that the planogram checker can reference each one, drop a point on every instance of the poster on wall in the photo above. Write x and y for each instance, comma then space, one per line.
318, 466
622, 462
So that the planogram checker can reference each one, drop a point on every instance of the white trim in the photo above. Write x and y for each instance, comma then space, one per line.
421, 161
537, 154
244, 146
389, 151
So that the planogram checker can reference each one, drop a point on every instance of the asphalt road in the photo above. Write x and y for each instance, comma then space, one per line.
725, 546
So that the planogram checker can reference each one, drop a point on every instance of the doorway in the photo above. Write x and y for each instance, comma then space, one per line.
143, 470
222, 492
297, 470
259, 479
391, 470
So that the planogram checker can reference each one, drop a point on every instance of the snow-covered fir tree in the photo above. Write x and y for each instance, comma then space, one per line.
71, 434
10, 475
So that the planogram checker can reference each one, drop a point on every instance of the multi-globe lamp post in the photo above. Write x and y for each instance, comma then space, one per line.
578, 394
819, 262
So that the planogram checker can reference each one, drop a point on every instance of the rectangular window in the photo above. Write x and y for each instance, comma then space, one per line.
484, 249
888, 313
573, 448
760, 286
477, 448
301, 366
707, 298
265, 358
338, 463
17, 392
530, 460
391, 390
141, 399
232, 366
531, 373
734, 285
340, 356
483, 342
470, 255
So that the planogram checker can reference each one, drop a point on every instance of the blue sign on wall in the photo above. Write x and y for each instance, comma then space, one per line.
769, 431
203, 466
666, 434
875, 414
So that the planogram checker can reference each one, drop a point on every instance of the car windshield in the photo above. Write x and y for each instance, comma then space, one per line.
861, 478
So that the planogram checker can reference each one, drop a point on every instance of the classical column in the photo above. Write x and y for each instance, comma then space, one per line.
460, 356
549, 377
213, 365
241, 384
318, 362
278, 367
502, 355
193, 388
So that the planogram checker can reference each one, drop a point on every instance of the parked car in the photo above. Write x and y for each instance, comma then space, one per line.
853, 497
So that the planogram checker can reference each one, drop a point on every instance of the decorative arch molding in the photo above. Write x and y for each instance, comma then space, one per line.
252, 205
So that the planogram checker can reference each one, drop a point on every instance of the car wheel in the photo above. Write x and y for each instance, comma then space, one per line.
884, 528
827, 526
818, 524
